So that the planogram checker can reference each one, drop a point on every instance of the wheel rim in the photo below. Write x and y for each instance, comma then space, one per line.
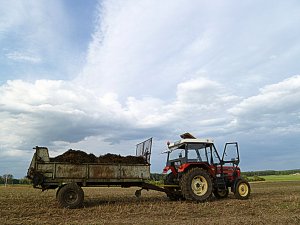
70, 197
243, 189
199, 185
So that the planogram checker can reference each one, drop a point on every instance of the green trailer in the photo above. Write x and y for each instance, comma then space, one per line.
69, 178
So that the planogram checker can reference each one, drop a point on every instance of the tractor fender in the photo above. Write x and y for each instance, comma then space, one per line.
185, 167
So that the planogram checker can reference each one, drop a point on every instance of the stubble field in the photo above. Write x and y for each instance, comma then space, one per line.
270, 203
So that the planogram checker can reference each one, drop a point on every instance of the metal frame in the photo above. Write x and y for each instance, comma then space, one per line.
144, 149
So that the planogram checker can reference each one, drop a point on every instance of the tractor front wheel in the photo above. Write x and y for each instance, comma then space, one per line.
196, 185
242, 189
221, 193
169, 180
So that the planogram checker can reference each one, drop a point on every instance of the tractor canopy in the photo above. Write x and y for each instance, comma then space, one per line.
181, 143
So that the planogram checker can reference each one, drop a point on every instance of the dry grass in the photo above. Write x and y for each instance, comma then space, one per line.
270, 203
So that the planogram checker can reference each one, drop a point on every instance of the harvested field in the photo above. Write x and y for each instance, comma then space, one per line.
78, 157
270, 203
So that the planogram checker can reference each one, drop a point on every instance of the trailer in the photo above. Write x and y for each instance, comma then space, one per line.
69, 178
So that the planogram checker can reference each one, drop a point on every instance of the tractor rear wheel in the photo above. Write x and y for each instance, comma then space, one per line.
196, 185
70, 196
221, 193
242, 189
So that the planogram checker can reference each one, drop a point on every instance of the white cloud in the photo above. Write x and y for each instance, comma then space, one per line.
61, 114
143, 50
274, 98
146, 49
276, 108
24, 57
13, 153
50, 111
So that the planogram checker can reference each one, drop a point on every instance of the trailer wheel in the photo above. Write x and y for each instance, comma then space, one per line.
196, 185
70, 196
221, 193
58, 190
242, 189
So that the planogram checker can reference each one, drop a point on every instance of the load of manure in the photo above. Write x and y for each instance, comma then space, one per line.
78, 157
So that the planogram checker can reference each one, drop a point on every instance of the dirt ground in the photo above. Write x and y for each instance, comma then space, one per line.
270, 203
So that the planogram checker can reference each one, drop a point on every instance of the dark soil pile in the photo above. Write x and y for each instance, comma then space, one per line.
112, 158
75, 156
78, 157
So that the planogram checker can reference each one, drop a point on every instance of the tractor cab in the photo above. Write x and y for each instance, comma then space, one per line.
190, 151
186, 152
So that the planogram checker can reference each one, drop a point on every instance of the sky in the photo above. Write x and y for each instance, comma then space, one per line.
101, 76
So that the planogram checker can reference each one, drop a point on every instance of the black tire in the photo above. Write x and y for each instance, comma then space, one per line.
219, 194
70, 196
169, 180
58, 191
242, 189
196, 185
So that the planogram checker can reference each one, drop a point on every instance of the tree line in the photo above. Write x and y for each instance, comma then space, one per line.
270, 172
9, 179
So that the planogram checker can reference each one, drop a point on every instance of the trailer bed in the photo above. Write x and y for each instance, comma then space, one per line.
47, 174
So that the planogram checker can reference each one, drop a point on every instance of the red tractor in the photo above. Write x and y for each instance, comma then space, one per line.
197, 170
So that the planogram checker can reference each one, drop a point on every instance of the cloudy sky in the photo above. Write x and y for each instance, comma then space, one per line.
102, 76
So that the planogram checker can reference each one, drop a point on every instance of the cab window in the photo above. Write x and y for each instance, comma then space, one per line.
197, 153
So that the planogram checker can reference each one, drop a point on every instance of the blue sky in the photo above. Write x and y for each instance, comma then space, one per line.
39, 38
102, 76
